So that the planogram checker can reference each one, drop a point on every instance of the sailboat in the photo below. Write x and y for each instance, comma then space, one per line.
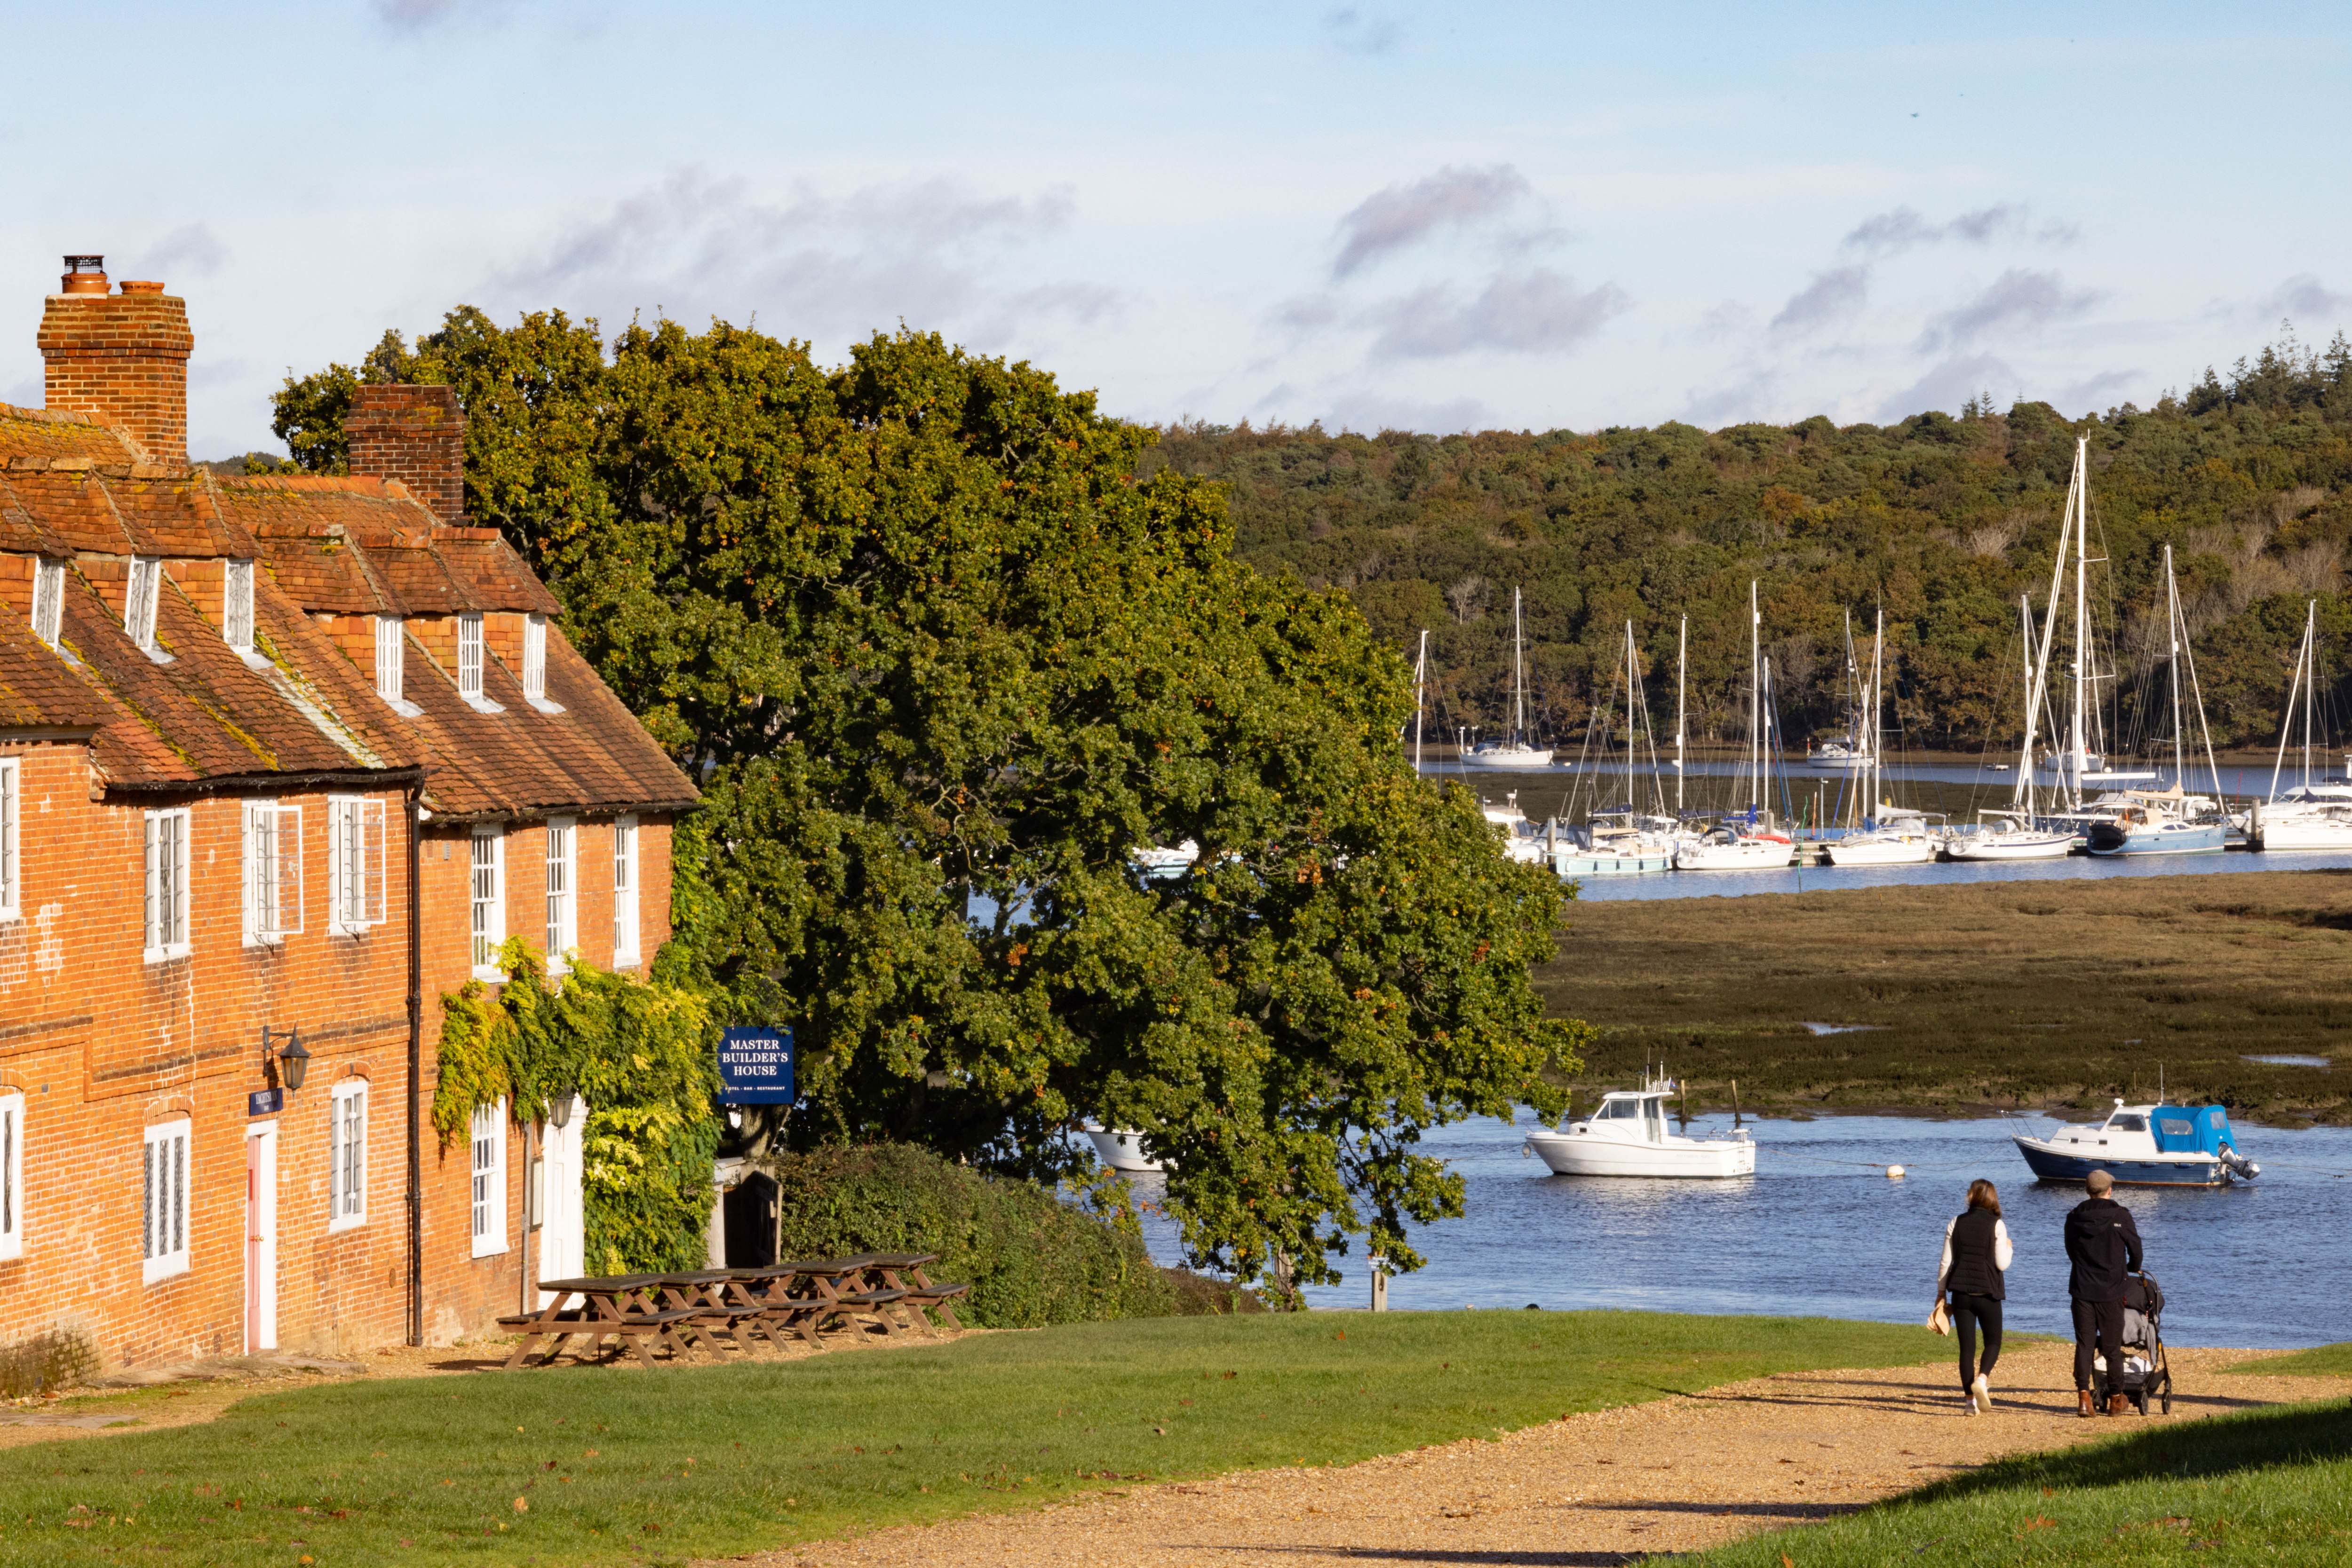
2173, 822
2083, 761
1857, 748
2014, 834
1623, 839
1746, 841
1897, 837
1515, 754
2314, 814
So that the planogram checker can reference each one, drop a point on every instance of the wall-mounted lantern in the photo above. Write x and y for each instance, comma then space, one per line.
292, 1062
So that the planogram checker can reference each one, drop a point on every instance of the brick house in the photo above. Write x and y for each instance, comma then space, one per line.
281, 760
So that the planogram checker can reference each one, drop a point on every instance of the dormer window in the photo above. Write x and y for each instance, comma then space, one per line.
138, 602
469, 656
237, 606
48, 598
534, 657
391, 660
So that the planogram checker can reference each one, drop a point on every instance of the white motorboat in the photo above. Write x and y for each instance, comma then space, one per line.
1627, 1136
2144, 1145
1160, 865
1122, 1150
2004, 837
1522, 839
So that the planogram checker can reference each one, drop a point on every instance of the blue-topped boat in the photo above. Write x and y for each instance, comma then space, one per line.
2144, 1145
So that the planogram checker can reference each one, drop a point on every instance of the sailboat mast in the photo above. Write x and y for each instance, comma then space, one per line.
1519, 678
1630, 680
1420, 676
2311, 681
2172, 634
1877, 666
2023, 797
2078, 495
1755, 697
2294, 691
1681, 658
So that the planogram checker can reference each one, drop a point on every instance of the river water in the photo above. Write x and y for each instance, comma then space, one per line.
1821, 1231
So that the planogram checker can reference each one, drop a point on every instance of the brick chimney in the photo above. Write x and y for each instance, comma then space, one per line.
120, 358
413, 434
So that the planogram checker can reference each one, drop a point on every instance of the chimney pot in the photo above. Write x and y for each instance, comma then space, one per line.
84, 274
132, 285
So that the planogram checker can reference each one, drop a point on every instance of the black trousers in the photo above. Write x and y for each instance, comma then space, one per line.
2101, 1322
1967, 1312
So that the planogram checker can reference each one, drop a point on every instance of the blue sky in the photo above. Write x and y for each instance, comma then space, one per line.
1432, 217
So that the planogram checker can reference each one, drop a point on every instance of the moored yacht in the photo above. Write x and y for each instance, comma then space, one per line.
2144, 1145
1627, 1136
2008, 836
2171, 823
2314, 813
1619, 841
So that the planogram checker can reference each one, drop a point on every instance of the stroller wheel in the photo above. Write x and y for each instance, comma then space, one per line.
2167, 1404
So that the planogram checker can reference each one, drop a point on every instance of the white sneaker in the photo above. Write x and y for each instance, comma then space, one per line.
1983, 1392
1969, 1405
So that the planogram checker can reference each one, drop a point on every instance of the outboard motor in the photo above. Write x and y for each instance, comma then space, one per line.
2239, 1164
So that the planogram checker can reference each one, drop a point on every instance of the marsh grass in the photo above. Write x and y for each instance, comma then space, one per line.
597, 1464
2321, 1361
2262, 1486
1989, 995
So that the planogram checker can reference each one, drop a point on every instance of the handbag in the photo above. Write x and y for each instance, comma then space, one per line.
1939, 1320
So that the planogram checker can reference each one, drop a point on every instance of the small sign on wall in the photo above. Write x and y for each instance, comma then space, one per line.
755, 1067
265, 1102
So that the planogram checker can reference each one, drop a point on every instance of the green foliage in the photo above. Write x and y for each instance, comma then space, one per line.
1943, 521
639, 1053
2320, 1361
2257, 1486
933, 646
1030, 1258
425, 1469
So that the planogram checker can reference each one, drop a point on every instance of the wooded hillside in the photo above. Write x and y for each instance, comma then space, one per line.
1945, 521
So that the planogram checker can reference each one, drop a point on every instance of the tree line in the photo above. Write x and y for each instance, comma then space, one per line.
1942, 521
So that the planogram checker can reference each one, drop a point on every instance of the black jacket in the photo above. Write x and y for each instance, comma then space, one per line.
1974, 1271
2102, 1244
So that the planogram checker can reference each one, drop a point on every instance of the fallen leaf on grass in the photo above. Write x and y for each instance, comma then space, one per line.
522, 1505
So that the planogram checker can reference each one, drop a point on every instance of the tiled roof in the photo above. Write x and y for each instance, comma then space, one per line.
328, 546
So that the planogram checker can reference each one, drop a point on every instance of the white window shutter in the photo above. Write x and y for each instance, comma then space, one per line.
154, 932
288, 842
372, 868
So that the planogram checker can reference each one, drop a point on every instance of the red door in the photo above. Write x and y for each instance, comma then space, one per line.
253, 1303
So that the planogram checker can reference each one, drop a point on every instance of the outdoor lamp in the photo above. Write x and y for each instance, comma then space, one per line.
560, 1113
294, 1061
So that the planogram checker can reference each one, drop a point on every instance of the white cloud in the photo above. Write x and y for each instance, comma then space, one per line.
1833, 296
2018, 299
1403, 215
1530, 312
1902, 229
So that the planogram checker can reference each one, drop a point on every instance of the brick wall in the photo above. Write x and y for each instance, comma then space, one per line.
413, 434
122, 358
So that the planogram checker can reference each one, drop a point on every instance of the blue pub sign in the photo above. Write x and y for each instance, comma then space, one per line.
755, 1067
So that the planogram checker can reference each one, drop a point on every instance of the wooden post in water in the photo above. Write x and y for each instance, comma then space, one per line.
1735, 1101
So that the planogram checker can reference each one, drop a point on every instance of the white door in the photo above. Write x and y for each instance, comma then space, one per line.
563, 1234
261, 1238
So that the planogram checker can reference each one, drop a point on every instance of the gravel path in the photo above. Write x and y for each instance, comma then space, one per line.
1672, 1476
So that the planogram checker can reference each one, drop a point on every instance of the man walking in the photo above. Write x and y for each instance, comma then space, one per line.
2102, 1244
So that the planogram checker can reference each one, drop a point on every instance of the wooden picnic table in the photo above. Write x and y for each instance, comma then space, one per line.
612, 1306
802, 1297
903, 1272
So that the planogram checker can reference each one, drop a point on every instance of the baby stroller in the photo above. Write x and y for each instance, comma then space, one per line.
2144, 1373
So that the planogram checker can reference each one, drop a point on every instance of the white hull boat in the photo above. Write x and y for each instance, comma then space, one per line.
1500, 758
1881, 849
2144, 1145
1724, 851
2017, 844
1627, 1136
2276, 827
1122, 1150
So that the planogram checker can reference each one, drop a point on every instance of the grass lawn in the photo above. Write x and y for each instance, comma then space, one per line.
2265, 1486
597, 1464
2321, 1361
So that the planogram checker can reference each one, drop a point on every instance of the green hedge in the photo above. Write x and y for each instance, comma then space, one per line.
1030, 1258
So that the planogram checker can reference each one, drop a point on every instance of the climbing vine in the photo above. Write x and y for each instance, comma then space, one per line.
639, 1052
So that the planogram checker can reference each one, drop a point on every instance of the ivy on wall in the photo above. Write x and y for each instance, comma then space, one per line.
639, 1052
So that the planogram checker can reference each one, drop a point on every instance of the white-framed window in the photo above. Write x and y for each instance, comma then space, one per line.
237, 605
163, 1201
273, 871
563, 879
48, 598
12, 895
347, 1109
469, 656
12, 1175
355, 885
391, 658
491, 1178
138, 600
489, 853
534, 657
625, 891
167, 884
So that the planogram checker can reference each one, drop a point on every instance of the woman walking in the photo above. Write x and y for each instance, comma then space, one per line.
1976, 1252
